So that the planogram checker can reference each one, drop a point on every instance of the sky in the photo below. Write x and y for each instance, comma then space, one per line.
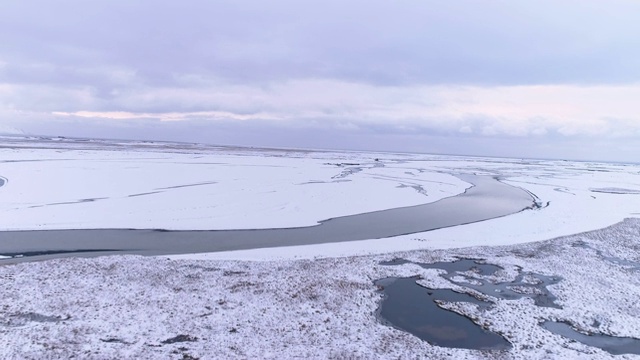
541, 79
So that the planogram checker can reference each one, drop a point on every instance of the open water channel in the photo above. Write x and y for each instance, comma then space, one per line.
487, 199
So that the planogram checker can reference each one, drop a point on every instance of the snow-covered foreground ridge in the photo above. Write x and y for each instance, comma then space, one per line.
147, 308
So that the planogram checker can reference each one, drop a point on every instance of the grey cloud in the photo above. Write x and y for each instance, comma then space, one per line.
332, 136
379, 42
250, 57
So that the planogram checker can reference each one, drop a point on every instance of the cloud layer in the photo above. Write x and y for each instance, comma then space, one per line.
551, 73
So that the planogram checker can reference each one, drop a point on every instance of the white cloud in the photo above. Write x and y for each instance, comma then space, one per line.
405, 69
490, 111
169, 116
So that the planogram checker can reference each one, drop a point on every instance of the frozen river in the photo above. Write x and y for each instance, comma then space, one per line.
487, 199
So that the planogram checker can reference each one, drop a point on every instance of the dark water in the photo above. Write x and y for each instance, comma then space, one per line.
611, 344
461, 265
411, 307
526, 284
2, 182
488, 199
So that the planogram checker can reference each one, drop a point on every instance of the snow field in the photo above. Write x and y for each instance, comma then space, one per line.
127, 306
214, 189
563, 189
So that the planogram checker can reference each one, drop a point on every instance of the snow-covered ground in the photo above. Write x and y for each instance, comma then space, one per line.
575, 197
315, 301
211, 188
65, 184
144, 307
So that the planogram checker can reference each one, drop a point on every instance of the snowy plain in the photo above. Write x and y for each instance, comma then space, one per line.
144, 307
202, 189
315, 301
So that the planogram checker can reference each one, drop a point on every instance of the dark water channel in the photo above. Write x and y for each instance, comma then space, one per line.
414, 308
487, 199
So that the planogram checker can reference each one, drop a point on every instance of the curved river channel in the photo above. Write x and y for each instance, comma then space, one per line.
487, 199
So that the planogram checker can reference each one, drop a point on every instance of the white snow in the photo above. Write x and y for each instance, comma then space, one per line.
208, 189
66, 184
315, 301
127, 306
566, 186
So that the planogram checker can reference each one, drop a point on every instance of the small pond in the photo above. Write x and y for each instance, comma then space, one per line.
413, 308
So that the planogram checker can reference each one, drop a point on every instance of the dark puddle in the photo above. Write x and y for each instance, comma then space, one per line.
464, 272
414, 308
180, 338
611, 344
411, 307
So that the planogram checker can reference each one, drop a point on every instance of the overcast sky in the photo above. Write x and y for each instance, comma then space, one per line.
545, 79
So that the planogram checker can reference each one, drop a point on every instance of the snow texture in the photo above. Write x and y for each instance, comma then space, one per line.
207, 188
315, 301
145, 307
